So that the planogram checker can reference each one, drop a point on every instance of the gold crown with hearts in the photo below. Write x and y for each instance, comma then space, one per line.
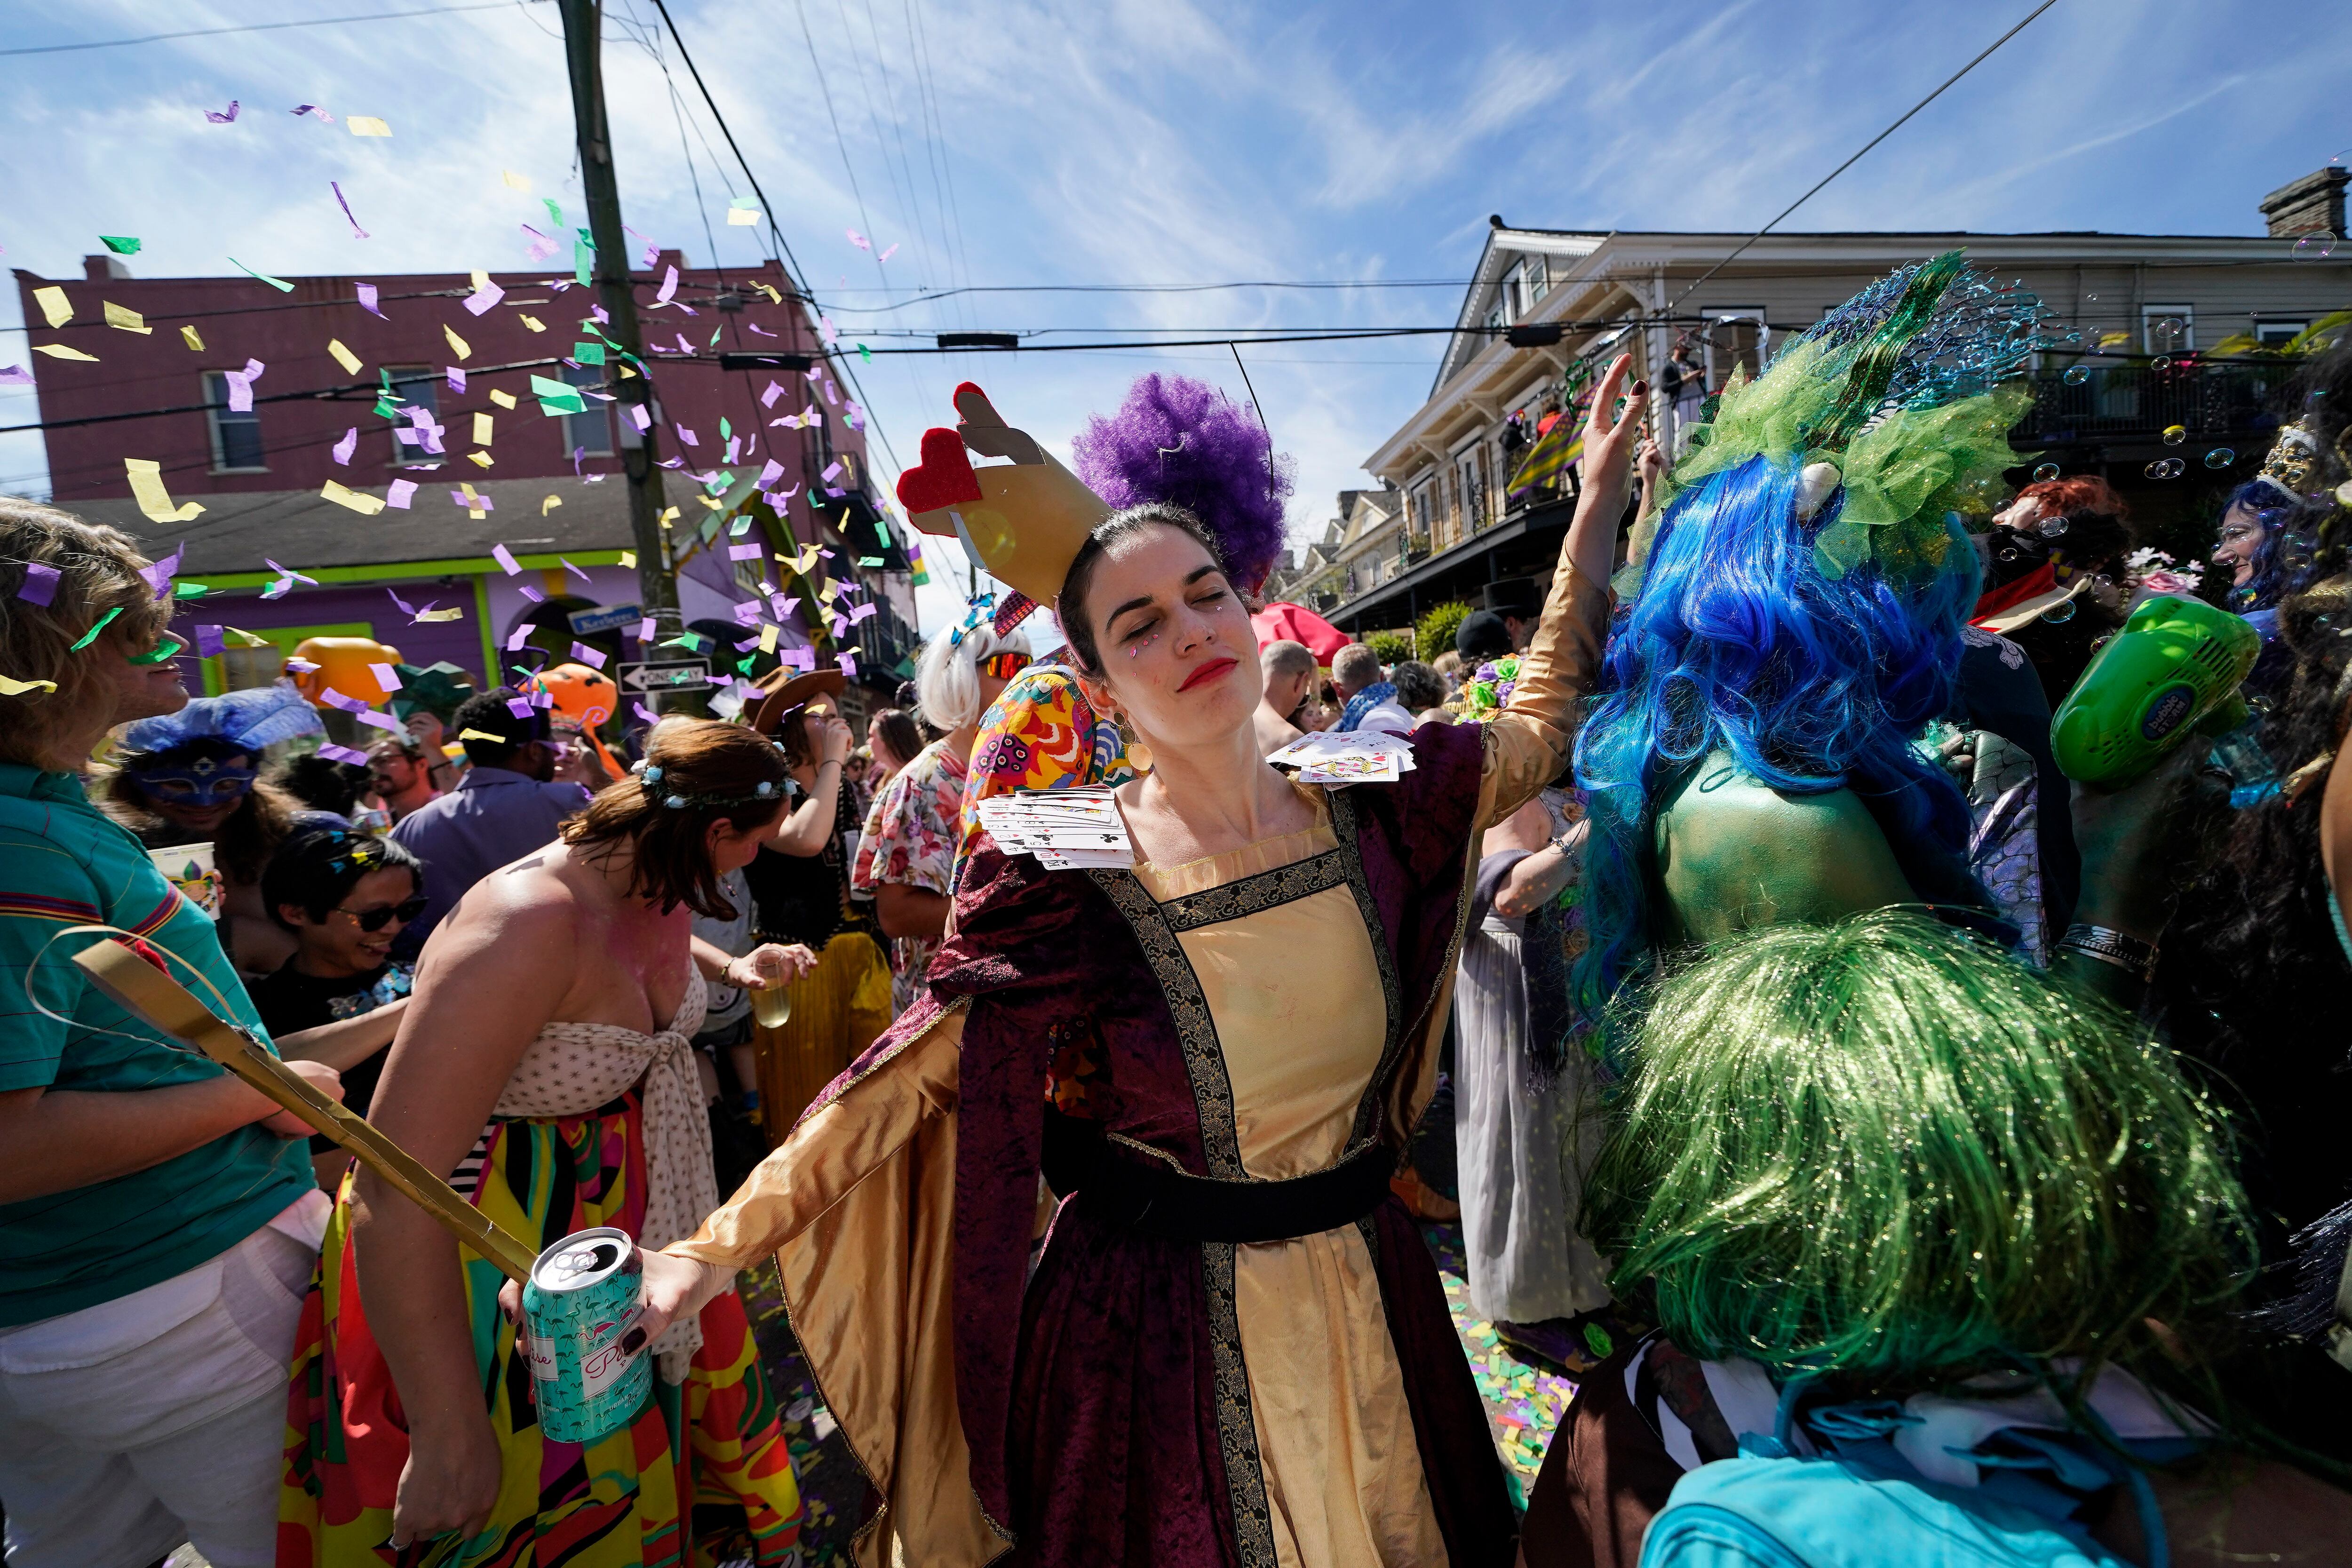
1022, 521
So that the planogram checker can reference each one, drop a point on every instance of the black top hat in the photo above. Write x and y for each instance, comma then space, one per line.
1514, 596
1481, 636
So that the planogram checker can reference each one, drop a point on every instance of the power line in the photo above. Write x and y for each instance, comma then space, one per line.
263, 27
1866, 146
1144, 288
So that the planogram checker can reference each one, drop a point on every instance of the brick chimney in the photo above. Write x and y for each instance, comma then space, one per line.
99, 268
2309, 206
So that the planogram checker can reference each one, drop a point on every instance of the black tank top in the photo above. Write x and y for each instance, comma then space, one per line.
807, 898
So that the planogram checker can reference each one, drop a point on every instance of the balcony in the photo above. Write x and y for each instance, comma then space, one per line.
2216, 402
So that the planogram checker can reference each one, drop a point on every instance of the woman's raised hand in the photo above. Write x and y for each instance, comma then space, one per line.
833, 737
1610, 438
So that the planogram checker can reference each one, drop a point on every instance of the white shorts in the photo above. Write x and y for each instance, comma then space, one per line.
160, 1418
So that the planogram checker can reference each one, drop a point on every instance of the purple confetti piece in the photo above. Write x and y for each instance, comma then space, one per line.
813, 374
687, 436
516, 638
367, 293
216, 117
754, 326
576, 572
641, 416
746, 612
209, 642
14, 375
334, 698
587, 656
347, 446
334, 754
840, 623
485, 297
357, 232
747, 644
280, 589
855, 415
769, 473
832, 472
669, 288
673, 462
869, 607
387, 676
527, 591
541, 247
849, 663
380, 721
518, 707
752, 552
456, 378
832, 392
240, 385
798, 658
406, 607
500, 553
683, 346
300, 665
40, 584
642, 711
399, 493
645, 629
598, 314
288, 572
769, 395
159, 573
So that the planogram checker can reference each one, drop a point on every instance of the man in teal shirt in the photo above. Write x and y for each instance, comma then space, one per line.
158, 1218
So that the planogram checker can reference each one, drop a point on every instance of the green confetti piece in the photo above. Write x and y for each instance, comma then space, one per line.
739, 527
1597, 1341
90, 636
725, 429
865, 354
279, 284
189, 590
121, 243
588, 354
869, 560
159, 653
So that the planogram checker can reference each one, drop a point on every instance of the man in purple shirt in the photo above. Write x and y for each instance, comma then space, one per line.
506, 806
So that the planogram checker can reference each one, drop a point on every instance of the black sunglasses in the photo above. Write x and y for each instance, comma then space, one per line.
384, 914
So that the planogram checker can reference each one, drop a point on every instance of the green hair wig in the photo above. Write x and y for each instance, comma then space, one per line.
1887, 1151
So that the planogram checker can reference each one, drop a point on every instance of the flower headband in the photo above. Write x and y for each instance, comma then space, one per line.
650, 776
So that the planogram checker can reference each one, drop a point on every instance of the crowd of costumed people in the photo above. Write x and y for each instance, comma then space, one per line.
1854, 956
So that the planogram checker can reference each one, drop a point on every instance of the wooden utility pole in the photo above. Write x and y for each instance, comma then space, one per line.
657, 571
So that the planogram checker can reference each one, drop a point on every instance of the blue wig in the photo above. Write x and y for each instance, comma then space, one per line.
1737, 642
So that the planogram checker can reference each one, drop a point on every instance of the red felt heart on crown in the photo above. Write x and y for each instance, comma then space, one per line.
943, 477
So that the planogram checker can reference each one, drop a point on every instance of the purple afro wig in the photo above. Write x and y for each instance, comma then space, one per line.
1179, 440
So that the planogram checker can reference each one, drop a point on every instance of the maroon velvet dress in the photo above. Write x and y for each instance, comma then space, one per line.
1105, 1409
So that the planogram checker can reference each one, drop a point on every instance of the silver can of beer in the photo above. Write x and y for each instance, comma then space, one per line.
584, 1295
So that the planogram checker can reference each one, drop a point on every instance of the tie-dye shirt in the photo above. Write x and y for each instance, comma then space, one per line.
1041, 734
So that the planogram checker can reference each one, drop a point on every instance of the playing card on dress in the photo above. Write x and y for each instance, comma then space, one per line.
1344, 757
1063, 828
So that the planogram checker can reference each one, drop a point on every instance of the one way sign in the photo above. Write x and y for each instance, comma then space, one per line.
667, 676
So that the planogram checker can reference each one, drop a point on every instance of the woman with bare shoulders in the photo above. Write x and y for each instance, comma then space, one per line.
544, 1065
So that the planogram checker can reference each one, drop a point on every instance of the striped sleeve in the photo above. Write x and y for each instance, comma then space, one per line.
44, 892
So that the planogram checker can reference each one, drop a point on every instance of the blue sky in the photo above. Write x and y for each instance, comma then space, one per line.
1144, 142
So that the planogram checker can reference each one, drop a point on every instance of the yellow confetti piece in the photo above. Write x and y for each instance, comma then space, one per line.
127, 320
250, 640
59, 351
456, 344
628, 374
481, 430
440, 615
711, 504
10, 687
628, 557
344, 356
533, 323
769, 291
480, 459
767, 636
155, 501
481, 279
517, 181
188, 336
54, 305
358, 500
549, 504
366, 125
503, 399
471, 733
669, 514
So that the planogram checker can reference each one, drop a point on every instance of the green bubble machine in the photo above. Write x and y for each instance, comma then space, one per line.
2173, 671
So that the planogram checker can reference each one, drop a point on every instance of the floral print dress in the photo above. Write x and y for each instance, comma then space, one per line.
910, 836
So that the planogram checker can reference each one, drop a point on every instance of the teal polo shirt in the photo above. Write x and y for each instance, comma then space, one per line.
63, 863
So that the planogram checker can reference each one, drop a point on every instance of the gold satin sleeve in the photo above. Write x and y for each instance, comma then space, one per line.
1528, 741
857, 1205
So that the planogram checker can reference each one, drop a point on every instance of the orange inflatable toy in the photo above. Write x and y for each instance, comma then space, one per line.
584, 699
342, 666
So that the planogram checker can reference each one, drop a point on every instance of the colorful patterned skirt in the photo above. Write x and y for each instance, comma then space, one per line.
627, 1500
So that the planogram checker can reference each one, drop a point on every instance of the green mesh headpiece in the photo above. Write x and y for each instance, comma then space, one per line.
1886, 1149
1897, 391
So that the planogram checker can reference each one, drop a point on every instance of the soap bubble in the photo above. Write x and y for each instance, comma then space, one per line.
2219, 458
2174, 467
2154, 470
2163, 363
2043, 473
2050, 524
2059, 615
2175, 433
2076, 374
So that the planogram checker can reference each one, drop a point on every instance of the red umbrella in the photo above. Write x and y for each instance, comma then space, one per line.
1281, 621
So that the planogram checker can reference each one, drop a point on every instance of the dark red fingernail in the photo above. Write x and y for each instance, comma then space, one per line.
1640, 387
510, 1312
633, 1341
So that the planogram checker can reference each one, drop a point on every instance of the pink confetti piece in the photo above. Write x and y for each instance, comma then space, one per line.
399, 493
831, 333
832, 392
687, 436
669, 288
769, 395
334, 698
755, 327
367, 293
642, 711
346, 446
387, 676
813, 375
752, 552
357, 232
210, 644
587, 656
887, 254
240, 385
503, 556
683, 346
380, 721
324, 118
515, 640
485, 297
40, 584
541, 247
769, 473
858, 239
218, 117
641, 416
335, 753
832, 472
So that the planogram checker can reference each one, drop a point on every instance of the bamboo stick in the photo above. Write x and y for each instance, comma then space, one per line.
169, 1006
